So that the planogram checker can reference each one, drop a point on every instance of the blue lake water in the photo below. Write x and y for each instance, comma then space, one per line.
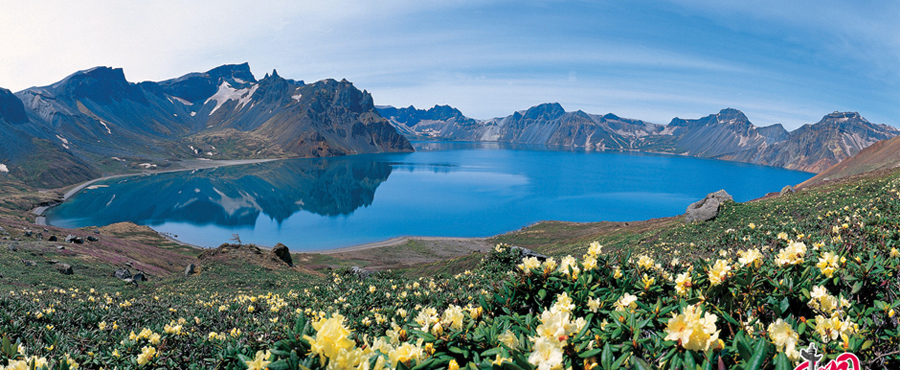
443, 189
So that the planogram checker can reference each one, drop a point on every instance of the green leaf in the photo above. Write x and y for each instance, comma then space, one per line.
760, 352
866, 345
590, 353
856, 287
606, 358
785, 305
640, 364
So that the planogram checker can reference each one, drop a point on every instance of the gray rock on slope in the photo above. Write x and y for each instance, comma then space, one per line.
283, 253
707, 208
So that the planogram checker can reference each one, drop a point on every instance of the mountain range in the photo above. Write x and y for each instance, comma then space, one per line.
727, 135
95, 121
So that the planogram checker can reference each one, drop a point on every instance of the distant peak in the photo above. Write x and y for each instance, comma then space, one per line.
545, 111
233, 71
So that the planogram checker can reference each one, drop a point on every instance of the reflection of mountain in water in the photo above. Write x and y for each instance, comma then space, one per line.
234, 196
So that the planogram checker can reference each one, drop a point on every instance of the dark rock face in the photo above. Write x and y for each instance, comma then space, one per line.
122, 273
65, 269
525, 253
139, 276
189, 270
11, 108
707, 208
283, 253
52, 238
29, 263
74, 239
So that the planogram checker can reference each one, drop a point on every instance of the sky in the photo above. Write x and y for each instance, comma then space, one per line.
778, 61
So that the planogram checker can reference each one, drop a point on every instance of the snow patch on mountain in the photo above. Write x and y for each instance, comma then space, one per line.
174, 99
3, 168
65, 143
106, 127
226, 93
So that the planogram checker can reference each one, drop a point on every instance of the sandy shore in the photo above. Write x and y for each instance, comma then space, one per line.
397, 241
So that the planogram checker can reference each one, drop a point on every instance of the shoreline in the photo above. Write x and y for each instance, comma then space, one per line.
393, 242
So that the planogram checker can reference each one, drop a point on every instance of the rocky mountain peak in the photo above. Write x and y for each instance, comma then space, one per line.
731, 115
236, 72
11, 108
546, 111
100, 84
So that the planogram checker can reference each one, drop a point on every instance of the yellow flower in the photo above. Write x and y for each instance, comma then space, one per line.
102, 325
750, 257
752, 226
453, 365
154, 339
331, 338
785, 338
783, 235
719, 272
618, 273
595, 249
828, 263
406, 353
115, 353
683, 283
509, 339
593, 304
499, 360
568, 264
832, 328
549, 265
693, 331
626, 300
546, 354
259, 362
791, 255
453, 317
648, 281
73, 365
529, 264
895, 253
147, 354
589, 263
645, 262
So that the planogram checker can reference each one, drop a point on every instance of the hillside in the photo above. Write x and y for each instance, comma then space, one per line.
95, 121
727, 135
768, 277
883, 155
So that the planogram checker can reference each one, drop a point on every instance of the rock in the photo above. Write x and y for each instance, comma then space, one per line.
52, 262
29, 263
28, 233
283, 253
122, 273
525, 253
787, 190
92, 238
60, 247
74, 239
139, 276
189, 270
52, 238
706, 208
40, 235
14, 247
359, 272
97, 231
65, 269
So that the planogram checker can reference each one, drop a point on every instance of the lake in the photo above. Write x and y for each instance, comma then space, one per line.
443, 189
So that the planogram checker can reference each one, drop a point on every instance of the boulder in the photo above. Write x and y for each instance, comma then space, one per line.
60, 247
92, 238
358, 272
525, 253
29, 263
13, 247
122, 273
283, 253
139, 276
65, 269
189, 270
52, 238
787, 190
707, 208
74, 239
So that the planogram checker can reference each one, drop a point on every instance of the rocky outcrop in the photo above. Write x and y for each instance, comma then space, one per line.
283, 253
707, 208
65, 269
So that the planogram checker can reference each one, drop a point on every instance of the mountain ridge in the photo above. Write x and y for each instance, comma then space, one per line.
99, 122
727, 135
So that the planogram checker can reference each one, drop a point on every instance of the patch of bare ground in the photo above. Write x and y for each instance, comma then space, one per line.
397, 254
239, 254
149, 258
